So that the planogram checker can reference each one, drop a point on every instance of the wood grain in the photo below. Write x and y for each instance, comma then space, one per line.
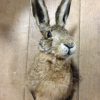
90, 50
14, 21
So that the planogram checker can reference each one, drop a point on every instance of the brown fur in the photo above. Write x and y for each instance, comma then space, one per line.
53, 75
50, 78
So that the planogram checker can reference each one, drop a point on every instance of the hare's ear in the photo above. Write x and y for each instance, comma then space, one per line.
63, 12
40, 13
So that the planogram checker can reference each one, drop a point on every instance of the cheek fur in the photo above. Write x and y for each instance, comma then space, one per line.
45, 45
72, 50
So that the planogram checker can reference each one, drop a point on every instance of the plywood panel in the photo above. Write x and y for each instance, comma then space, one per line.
90, 50
35, 35
14, 21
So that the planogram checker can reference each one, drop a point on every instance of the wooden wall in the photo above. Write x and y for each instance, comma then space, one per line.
89, 59
19, 36
14, 23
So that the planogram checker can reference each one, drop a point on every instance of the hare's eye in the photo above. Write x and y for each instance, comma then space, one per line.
49, 34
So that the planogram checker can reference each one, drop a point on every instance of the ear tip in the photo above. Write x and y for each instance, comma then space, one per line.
62, 12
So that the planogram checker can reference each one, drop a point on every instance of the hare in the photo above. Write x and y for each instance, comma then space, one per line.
51, 77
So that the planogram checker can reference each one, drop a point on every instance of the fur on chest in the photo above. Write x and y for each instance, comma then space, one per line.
48, 62
46, 67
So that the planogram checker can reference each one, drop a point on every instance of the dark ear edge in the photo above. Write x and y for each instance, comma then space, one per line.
62, 12
33, 9
40, 13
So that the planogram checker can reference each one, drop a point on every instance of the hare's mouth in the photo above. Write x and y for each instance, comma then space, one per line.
65, 50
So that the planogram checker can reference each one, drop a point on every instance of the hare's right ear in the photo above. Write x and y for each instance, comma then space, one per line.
40, 13
63, 12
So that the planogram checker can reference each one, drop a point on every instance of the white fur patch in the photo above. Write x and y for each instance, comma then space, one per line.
63, 9
63, 50
72, 50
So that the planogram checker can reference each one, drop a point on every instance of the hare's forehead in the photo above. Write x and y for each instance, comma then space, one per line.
59, 34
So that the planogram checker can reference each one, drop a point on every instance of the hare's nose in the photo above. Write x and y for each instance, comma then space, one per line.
69, 45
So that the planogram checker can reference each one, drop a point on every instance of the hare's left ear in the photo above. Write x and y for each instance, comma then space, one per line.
40, 13
63, 12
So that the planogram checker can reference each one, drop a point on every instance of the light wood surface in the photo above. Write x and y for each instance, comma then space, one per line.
14, 22
90, 50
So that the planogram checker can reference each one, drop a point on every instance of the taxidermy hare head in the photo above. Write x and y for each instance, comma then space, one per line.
56, 40
52, 77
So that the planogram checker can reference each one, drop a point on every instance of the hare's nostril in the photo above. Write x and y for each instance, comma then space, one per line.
69, 45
